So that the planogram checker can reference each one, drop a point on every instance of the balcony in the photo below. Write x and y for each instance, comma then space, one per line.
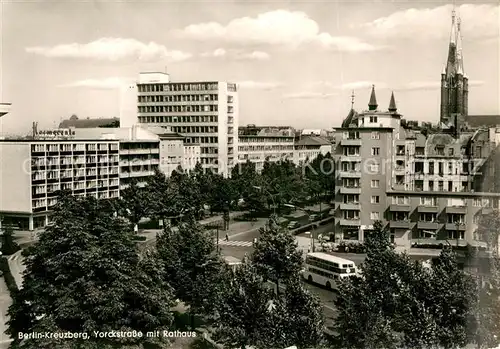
456, 209
350, 222
350, 190
428, 225
399, 169
455, 226
404, 224
351, 142
399, 208
487, 210
350, 174
428, 209
350, 206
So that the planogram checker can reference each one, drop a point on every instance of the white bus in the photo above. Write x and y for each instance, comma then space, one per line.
326, 269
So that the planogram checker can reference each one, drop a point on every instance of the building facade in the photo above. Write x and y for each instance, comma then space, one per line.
309, 147
426, 188
260, 143
205, 113
32, 171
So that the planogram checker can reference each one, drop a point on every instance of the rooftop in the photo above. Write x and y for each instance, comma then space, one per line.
75, 122
313, 140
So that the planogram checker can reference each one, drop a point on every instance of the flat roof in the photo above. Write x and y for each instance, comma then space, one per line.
440, 193
75, 140
330, 257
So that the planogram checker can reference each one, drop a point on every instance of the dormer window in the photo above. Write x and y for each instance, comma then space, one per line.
439, 150
373, 119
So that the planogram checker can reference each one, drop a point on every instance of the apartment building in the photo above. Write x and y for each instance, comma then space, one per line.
309, 147
205, 113
426, 188
260, 143
32, 171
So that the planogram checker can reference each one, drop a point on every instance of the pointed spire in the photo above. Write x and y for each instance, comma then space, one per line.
372, 105
392, 104
459, 58
451, 67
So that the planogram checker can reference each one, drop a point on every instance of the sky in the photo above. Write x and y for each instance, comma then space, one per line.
296, 62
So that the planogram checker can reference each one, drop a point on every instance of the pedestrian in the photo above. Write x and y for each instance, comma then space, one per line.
227, 237
254, 241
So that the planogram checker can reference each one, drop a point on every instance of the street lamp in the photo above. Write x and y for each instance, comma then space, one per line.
308, 216
271, 195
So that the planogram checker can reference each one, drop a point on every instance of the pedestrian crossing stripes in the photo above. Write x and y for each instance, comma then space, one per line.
235, 243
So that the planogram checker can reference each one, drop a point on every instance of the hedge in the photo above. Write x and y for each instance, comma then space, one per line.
7, 275
140, 238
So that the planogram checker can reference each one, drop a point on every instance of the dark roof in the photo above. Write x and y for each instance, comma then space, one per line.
392, 104
483, 120
171, 135
314, 140
372, 105
87, 123
351, 117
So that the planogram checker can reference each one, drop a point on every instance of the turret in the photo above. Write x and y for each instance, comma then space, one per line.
392, 104
372, 105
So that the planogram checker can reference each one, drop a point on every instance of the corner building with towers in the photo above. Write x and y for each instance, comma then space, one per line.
428, 185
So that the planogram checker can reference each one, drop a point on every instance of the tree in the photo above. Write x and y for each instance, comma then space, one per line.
246, 313
299, 317
192, 266
488, 230
133, 203
9, 245
276, 255
398, 302
85, 275
163, 203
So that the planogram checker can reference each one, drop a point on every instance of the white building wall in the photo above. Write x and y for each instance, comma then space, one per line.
128, 105
15, 177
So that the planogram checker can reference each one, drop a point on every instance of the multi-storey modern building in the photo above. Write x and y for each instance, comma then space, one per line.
32, 171
260, 143
205, 113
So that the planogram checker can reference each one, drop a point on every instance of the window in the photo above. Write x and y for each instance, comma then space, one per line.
373, 119
375, 151
375, 216
375, 183
450, 151
431, 185
374, 168
441, 186
428, 201
375, 199
431, 168
450, 186
439, 150
428, 217
400, 200
375, 135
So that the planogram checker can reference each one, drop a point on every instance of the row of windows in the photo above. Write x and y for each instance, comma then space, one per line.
177, 87
451, 234
178, 98
178, 119
43, 203
265, 139
178, 109
41, 148
265, 148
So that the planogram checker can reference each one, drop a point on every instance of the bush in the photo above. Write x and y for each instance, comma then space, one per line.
139, 238
7, 275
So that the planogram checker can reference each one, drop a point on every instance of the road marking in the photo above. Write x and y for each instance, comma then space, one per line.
235, 243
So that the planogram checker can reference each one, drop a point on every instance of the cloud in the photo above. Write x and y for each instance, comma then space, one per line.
280, 27
309, 95
100, 84
259, 85
359, 85
237, 54
430, 85
478, 21
111, 49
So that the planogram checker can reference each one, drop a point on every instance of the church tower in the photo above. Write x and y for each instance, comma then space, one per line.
454, 82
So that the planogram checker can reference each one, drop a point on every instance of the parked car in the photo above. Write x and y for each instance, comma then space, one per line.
314, 217
293, 225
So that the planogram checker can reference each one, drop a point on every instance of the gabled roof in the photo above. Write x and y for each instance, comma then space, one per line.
313, 140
